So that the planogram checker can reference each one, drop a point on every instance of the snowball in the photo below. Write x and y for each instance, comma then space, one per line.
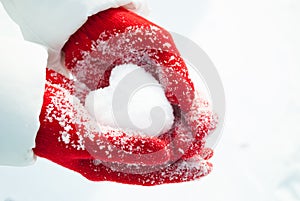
134, 100
22, 83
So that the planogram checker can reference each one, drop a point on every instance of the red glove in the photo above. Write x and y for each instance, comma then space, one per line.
70, 137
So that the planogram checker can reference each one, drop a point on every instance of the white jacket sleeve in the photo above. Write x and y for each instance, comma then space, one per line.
22, 82
51, 22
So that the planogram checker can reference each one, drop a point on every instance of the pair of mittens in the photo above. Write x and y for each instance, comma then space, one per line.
71, 137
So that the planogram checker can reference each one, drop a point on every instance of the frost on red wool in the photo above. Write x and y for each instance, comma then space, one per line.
71, 137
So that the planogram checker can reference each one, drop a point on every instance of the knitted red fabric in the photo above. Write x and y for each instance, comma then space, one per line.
69, 136
127, 38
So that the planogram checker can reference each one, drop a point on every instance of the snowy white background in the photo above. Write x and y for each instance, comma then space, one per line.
255, 45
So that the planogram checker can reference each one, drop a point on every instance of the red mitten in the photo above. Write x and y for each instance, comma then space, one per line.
70, 137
